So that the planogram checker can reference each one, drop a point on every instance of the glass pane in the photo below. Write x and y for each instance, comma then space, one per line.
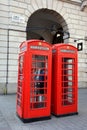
69, 72
39, 57
21, 58
70, 77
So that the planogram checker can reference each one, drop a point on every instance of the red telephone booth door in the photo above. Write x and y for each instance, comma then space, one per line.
64, 86
39, 85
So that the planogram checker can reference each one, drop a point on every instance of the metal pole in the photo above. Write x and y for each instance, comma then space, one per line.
6, 86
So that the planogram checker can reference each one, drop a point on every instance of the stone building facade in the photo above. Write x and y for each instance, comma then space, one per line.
39, 19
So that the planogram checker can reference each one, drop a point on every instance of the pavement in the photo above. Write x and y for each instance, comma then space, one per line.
9, 120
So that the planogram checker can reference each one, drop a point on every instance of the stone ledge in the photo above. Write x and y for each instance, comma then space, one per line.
75, 2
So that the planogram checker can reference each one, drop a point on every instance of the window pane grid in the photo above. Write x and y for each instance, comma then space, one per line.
68, 81
39, 77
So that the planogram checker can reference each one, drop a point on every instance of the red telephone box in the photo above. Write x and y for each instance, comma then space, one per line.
64, 80
34, 81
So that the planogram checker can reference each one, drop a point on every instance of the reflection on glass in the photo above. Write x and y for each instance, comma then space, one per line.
21, 64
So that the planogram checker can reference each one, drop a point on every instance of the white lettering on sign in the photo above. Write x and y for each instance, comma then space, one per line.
18, 18
67, 51
39, 48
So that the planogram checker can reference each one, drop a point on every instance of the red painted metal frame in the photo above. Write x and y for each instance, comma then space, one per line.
64, 99
25, 91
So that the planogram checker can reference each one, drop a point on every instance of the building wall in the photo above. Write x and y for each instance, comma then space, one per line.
14, 15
